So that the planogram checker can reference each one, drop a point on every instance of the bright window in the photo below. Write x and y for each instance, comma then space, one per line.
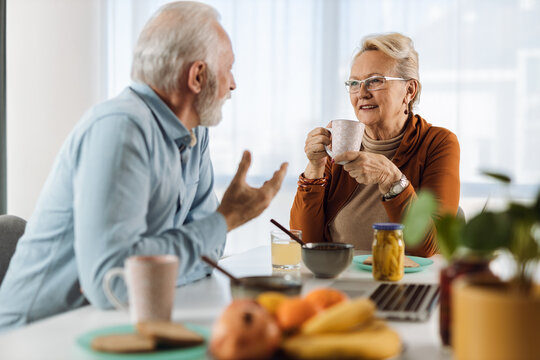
479, 68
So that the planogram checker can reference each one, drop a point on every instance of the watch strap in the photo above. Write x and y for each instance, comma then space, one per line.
397, 188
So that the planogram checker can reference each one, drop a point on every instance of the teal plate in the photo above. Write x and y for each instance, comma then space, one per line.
423, 262
195, 352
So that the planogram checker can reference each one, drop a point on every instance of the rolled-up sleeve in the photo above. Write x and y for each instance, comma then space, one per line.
441, 176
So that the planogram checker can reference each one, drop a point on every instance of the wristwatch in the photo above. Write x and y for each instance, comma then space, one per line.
397, 188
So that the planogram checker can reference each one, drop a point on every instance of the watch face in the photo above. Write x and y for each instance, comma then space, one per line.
404, 183
399, 186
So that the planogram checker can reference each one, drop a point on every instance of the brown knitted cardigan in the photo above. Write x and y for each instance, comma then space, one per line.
429, 158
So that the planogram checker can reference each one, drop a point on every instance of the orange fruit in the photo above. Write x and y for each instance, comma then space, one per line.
323, 298
292, 313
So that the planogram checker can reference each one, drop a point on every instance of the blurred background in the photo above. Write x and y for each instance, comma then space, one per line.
479, 69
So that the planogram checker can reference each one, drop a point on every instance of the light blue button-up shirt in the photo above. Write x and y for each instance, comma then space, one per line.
126, 182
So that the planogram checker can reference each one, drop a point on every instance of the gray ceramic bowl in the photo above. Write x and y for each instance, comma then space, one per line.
327, 260
252, 286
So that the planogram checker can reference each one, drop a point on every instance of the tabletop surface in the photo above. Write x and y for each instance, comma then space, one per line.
200, 303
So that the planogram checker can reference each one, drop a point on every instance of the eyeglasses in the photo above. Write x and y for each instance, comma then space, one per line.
371, 83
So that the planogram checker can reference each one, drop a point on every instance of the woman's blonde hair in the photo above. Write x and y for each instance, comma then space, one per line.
400, 48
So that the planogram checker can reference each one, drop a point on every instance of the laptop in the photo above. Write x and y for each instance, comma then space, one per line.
395, 301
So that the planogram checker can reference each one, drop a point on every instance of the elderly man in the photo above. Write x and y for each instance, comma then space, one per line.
135, 178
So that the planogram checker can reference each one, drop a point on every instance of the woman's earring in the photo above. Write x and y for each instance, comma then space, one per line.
406, 112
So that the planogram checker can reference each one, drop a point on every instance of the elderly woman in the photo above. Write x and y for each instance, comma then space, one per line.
401, 153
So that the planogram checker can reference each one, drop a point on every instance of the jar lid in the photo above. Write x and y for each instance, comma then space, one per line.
388, 226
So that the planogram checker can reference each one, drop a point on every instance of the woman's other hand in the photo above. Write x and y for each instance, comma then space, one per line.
316, 153
368, 168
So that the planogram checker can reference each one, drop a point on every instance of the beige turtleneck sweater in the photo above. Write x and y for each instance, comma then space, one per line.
349, 226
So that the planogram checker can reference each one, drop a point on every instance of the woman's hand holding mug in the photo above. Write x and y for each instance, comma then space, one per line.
338, 137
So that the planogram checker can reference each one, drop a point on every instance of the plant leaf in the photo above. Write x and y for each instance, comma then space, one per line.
497, 176
524, 247
519, 212
449, 234
488, 231
536, 207
418, 218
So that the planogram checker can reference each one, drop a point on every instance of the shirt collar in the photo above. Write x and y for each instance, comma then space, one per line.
164, 115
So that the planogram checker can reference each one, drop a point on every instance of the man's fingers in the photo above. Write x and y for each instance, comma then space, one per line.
274, 184
242, 168
347, 156
279, 175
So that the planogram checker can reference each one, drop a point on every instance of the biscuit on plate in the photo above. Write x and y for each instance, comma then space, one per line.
169, 334
123, 343
407, 262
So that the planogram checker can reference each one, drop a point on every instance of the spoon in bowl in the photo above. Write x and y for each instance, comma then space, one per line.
212, 263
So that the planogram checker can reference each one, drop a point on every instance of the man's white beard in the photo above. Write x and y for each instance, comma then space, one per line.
207, 105
211, 115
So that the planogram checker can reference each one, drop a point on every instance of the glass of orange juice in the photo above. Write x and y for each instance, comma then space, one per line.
286, 253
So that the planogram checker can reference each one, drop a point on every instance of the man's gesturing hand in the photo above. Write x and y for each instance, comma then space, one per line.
242, 202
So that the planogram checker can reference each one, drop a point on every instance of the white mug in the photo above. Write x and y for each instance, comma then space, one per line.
346, 136
151, 283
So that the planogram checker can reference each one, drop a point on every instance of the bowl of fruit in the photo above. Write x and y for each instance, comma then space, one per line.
323, 324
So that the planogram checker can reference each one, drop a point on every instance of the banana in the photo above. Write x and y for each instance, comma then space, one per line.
340, 317
376, 341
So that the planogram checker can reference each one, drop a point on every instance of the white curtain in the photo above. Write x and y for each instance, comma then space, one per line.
479, 68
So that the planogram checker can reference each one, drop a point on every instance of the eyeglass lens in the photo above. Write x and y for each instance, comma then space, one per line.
374, 83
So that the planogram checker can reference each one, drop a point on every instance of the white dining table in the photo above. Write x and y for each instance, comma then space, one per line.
200, 303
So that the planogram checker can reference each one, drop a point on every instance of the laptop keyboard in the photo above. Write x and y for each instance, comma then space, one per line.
413, 302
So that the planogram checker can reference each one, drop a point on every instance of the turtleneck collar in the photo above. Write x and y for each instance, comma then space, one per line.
386, 147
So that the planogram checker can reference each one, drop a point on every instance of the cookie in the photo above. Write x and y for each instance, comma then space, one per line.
123, 343
407, 262
169, 334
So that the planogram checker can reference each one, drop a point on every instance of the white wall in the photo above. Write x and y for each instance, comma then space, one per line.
55, 71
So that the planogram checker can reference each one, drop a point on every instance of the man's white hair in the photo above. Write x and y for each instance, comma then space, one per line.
178, 34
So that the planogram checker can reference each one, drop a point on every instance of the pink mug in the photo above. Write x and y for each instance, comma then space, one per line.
151, 283
346, 136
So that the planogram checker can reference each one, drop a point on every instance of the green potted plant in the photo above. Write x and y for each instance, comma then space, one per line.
489, 319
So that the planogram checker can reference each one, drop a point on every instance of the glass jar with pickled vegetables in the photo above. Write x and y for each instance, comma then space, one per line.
388, 252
